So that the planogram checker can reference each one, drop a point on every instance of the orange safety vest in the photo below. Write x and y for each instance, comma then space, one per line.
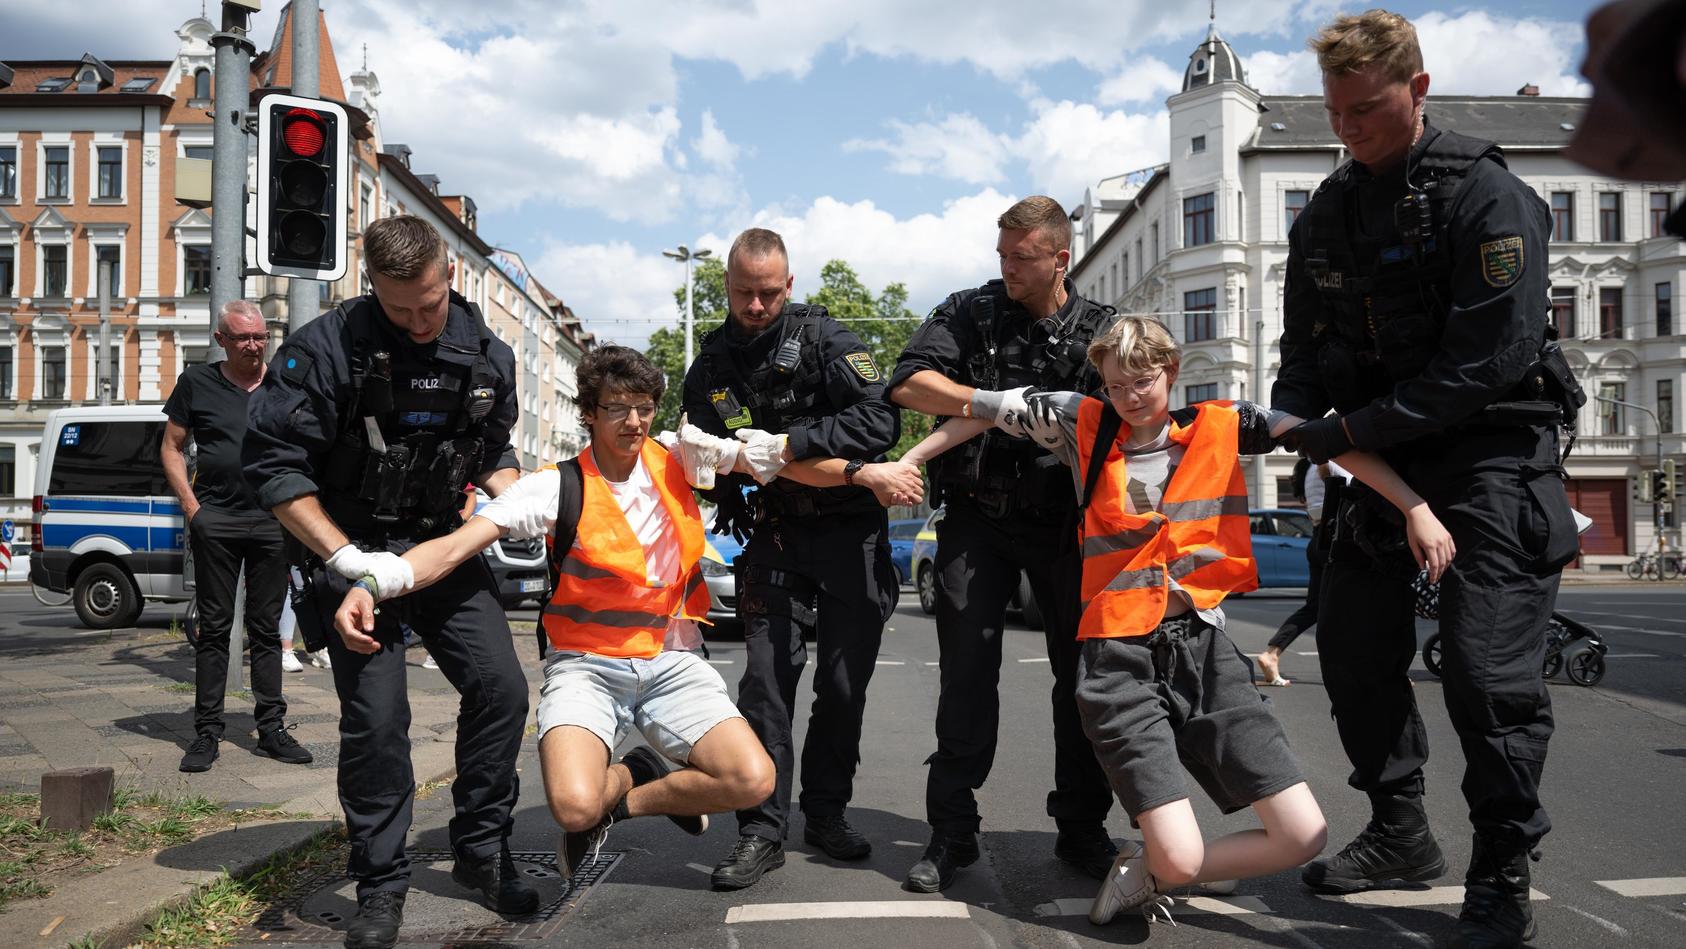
1199, 537
604, 603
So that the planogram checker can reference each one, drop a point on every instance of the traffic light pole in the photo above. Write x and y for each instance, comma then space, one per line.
303, 297
1656, 502
228, 170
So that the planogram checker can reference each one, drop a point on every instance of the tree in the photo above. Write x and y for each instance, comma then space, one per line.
667, 345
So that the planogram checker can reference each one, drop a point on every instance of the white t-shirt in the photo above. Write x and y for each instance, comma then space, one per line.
527, 508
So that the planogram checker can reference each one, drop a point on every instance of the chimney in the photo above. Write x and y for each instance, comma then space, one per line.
1529, 90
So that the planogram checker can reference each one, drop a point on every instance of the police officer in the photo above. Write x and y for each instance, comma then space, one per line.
811, 395
369, 423
1415, 307
1010, 508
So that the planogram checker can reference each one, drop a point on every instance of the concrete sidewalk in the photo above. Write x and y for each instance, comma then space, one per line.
125, 700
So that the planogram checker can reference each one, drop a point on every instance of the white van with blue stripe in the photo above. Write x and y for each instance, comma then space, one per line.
108, 531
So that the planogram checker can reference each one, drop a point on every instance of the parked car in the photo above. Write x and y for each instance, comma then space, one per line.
107, 530
719, 554
1280, 537
924, 555
902, 535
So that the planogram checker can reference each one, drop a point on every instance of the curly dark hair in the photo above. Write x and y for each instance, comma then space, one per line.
617, 369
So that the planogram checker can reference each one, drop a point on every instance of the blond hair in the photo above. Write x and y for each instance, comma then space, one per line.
402, 247
1040, 213
1350, 43
1141, 344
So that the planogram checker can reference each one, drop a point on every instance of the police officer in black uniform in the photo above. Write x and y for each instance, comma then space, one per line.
369, 424
818, 556
1416, 307
1010, 508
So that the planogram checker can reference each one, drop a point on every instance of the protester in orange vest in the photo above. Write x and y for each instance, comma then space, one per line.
622, 623
1161, 687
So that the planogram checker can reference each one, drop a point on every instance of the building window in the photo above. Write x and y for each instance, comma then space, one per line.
1125, 269
1563, 311
54, 271
57, 172
1204, 392
202, 84
1293, 202
1612, 416
1665, 405
196, 269
109, 255
1197, 144
201, 152
8, 469
365, 201
1155, 230
1562, 215
52, 373
110, 172
1610, 312
1117, 288
8, 171
1665, 309
1609, 216
1200, 316
1659, 207
195, 356
1141, 260
1197, 220
8, 270
6, 390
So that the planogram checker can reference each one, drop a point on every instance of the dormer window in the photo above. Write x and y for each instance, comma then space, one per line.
52, 85
1200, 64
202, 84
1197, 144
138, 84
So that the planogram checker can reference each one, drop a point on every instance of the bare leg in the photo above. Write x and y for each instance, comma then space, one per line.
1270, 666
729, 770
579, 783
1293, 833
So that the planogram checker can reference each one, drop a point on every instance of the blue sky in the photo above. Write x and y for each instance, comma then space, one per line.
594, 133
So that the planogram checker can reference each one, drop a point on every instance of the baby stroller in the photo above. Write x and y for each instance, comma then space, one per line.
1572, 647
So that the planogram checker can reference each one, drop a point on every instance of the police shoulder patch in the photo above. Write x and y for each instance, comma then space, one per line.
1501, 261
864, 366
295, 366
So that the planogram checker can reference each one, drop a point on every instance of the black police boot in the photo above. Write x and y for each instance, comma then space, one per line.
1395, 845
947, 853
498, 882
1496, 914
751, 858
376, 924
1086, 847
833, 835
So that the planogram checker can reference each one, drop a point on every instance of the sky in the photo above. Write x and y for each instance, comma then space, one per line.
593, 134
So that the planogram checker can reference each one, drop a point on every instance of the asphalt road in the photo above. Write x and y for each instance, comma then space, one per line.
1613, 870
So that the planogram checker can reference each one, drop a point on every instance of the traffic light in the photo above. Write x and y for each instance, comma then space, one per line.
1645, 486
301, 187
1659, 486
1670, 483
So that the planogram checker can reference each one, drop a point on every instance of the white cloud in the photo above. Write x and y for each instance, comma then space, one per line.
1141, 79
1283, 74
712, 145
617, 290
959, 147
1071, 145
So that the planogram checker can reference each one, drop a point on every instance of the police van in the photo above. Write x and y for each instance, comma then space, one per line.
108, 530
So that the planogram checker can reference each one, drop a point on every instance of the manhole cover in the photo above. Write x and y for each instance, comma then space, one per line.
437, 910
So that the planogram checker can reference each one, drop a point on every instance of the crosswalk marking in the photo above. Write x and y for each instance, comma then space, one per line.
1214, 905
1431, 896
1035, 659
875, 909
891, 662
1648, 886
719, 662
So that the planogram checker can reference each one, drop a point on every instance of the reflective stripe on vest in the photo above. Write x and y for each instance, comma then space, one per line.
605, 603
1199, 537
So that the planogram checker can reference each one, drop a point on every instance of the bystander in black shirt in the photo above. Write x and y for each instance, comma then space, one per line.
213, 410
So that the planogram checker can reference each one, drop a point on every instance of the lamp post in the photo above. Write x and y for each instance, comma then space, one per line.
1657, 503
687, 255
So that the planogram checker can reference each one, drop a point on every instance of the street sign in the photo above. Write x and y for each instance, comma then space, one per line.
8, 530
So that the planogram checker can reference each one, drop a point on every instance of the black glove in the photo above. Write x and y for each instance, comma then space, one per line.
1321, 439
733, 516
1254, 435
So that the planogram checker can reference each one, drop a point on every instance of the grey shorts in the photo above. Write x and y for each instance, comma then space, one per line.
1188, 699
673, 699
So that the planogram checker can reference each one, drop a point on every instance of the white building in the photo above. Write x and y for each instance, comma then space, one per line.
1201, 240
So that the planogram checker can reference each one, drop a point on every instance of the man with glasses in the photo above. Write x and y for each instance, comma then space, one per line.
228, 528
1011, 510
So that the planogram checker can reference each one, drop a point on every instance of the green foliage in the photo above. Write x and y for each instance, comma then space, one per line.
667, 345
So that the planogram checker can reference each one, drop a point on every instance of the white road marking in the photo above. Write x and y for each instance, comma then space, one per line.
1035, 659
1214, 905
875, 909
906, 843
1305, 652
1647, 632
1648, 886
720, 662
1609, 926
707, 871
1592, 619
1431, 896
930, 663
891, 662
1631, 655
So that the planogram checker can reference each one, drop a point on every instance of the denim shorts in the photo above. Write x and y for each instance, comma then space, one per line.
1181, 698
673, 698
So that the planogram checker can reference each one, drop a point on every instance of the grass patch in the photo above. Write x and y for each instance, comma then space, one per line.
180, 688
426, 789
214, 914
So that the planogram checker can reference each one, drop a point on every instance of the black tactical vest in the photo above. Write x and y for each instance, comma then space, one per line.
411, 437
1386, 293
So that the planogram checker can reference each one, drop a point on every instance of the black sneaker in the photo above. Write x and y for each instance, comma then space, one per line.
1496, 913
376, 924
200, 754
279, 744
647, 765
1086, 847
499, 883
947, 853
833, 835
750, 859
1395, 845
578, 845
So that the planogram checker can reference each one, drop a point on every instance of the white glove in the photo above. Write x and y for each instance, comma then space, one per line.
392, 574
763, 452
1005, 408
703, 455
666, 439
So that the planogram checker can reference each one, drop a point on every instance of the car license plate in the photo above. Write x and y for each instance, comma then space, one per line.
532, 586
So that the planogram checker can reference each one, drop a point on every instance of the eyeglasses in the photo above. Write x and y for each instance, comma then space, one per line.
1141, 387
244, 338
616, 412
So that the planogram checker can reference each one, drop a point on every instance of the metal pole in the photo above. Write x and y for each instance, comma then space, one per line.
1259, 396
1656, 503
103, 360
228, 171
303, 296
689, 314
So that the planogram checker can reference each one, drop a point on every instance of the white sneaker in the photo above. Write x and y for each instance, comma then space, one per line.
290, 661
320, 659
430, 662
1128, 885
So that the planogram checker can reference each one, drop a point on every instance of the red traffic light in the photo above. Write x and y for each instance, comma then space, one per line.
303, 132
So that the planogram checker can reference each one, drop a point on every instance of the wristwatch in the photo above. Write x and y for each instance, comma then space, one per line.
851, 469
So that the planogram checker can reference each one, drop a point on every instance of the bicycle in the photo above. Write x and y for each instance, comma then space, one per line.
1668, 566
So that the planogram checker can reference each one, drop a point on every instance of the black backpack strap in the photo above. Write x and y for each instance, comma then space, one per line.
570, 501
1105, 434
